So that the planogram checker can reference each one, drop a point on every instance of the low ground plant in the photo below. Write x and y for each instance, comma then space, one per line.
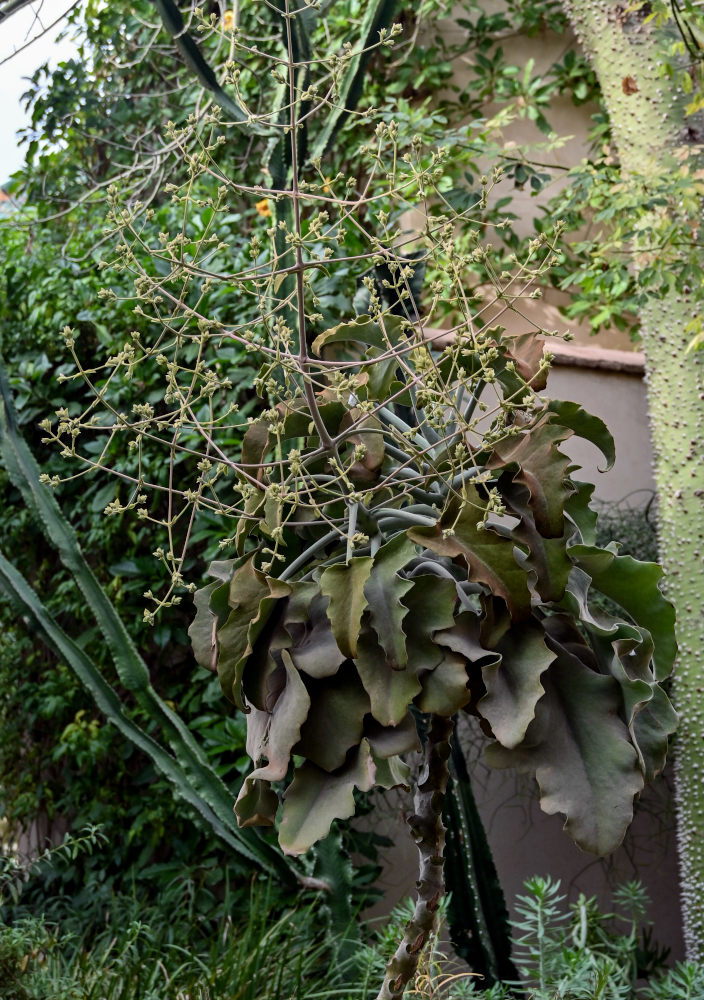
160, 952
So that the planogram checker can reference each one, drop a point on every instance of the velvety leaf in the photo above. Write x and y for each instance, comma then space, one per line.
298, 422
212, 610
343, 584
386, 741
513, 686
431, 603
464, 637
542, 470
634, 585
336, 719
579, 602
384, 590
445, 689
526, 351
363, 331
581, 755
370, 434
652, 728
254, 447
264, 679
381, 375
203, 629
391, 772
390, 691
581, 514
272, 735
315, 798
488, 555
546, 557
252, 505
314, 649
222, 569
585, 425
252, 598
256, 804
629, 661
302, 595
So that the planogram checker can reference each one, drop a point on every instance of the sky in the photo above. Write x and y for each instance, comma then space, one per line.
19, 29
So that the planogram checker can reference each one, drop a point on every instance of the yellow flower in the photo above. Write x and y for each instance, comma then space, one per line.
326, 186
228, 20
263, 208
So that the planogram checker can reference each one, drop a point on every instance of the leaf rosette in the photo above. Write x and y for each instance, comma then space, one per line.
425, 573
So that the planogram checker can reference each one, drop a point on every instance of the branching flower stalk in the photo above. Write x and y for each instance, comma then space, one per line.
403, 533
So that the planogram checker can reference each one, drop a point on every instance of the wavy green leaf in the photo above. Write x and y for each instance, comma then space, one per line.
387, 741
634, 586
253, 598
489, 556
580, 753
542, 469
431, 604
271, 737
315, 649
585, 425
343, 584
391, 772
390, 691
513, 685
363, 331
315, 798
446, 687
384, 590
545, 557
336, 720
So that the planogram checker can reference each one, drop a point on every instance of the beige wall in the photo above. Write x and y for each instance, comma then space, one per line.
525, 842
620, 400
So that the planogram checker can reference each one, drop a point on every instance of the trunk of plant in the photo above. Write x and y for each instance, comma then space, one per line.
428, 831
649, 124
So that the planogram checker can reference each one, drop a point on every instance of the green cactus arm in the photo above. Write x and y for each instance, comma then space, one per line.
131, 669
379, 14
193, 58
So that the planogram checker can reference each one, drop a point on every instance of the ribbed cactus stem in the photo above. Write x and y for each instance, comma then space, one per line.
653, 133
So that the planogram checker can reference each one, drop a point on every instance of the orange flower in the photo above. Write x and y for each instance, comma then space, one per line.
263, 208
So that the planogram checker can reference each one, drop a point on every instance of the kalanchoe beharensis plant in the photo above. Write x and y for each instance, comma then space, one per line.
408, 539
390, 571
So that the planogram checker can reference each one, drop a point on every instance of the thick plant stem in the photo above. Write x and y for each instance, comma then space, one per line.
652, 131
428, 831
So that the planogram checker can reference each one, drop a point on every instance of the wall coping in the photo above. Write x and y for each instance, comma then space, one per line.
570, 355
587, 356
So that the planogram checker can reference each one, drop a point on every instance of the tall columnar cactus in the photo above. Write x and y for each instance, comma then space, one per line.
658, 142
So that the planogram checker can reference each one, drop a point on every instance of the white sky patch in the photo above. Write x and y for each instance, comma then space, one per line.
27, 25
